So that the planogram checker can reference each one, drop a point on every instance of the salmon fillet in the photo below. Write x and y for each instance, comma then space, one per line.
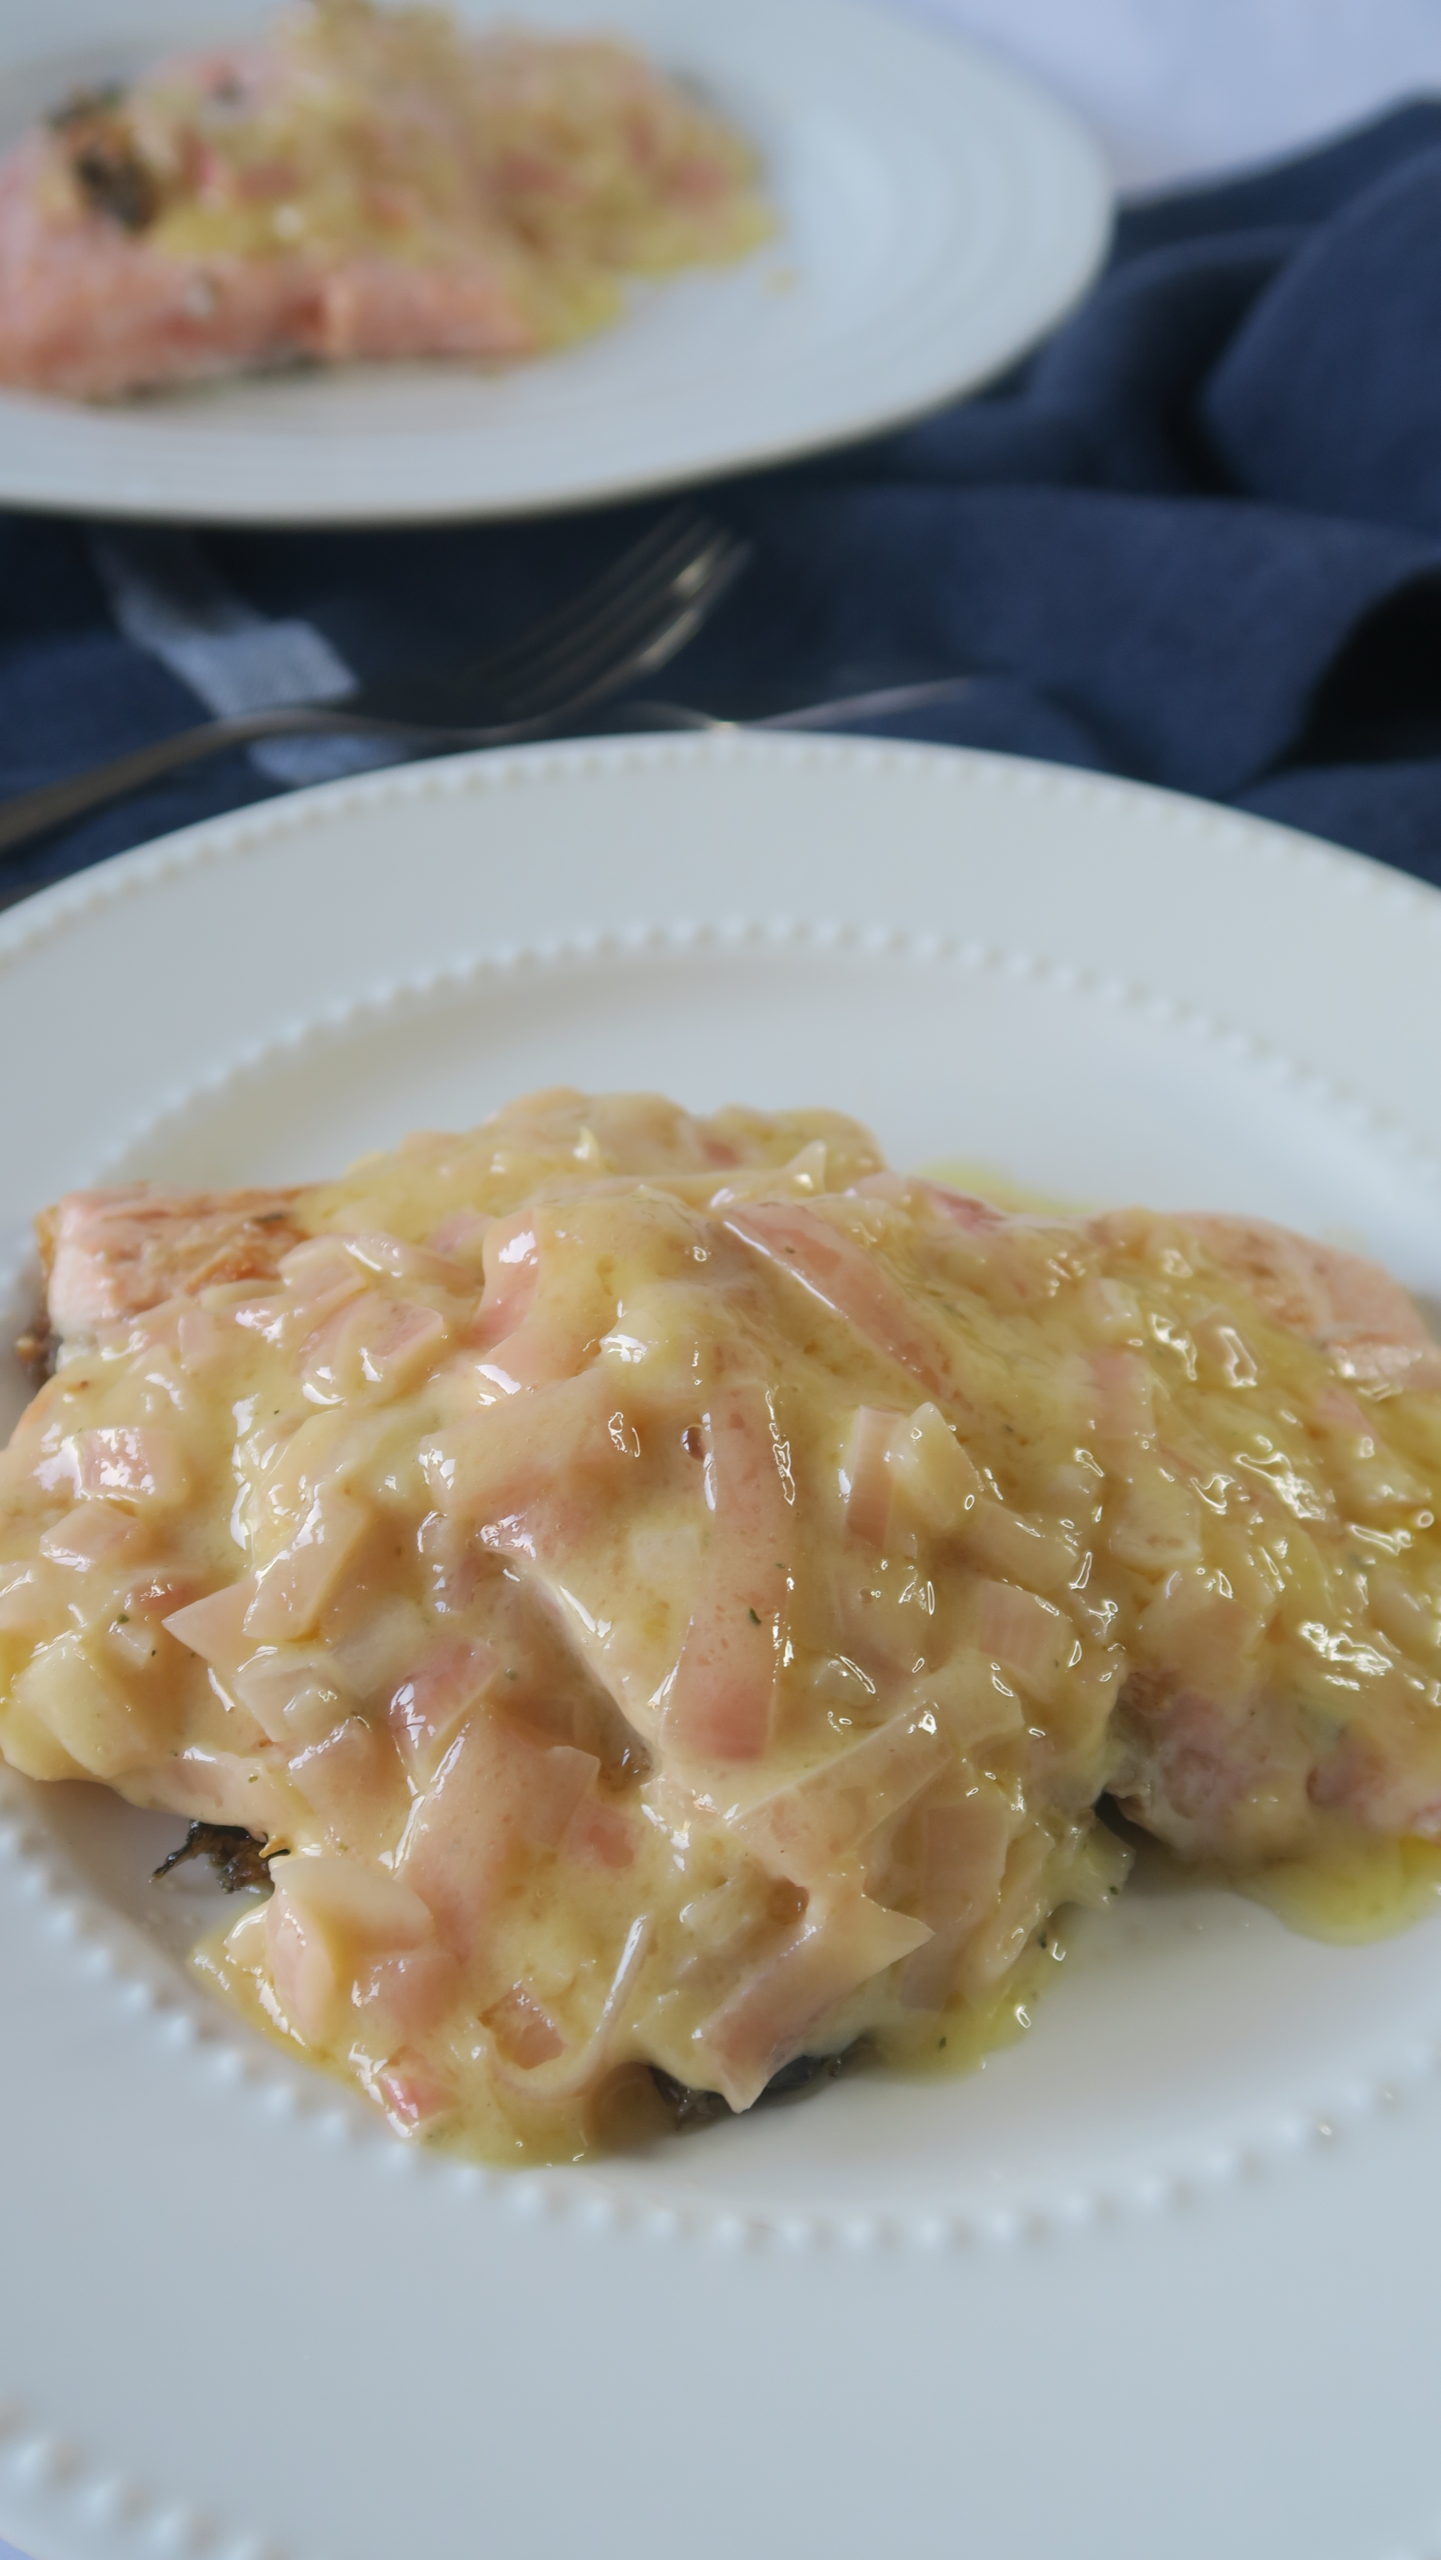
92, 312
111, 1254
668, 1591
369, 183
1228, 1771
1235, 1768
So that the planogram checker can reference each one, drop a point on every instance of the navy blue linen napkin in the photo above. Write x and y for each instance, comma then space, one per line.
1196, 539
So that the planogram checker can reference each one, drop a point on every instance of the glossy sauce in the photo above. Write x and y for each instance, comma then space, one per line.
670, 1593
1349, 1889
393, 134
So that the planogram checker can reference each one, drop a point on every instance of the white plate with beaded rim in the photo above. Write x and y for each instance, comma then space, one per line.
1185, 2231
936, 213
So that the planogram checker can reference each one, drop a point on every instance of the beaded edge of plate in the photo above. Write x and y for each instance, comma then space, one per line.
51, 2464
289, 2089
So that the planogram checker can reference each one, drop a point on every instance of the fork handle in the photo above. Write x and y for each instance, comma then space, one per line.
31, 812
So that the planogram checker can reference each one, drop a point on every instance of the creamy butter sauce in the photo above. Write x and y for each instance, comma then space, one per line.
669, 1593
396, 135
1352, 1890
1349, 1890
989, 1182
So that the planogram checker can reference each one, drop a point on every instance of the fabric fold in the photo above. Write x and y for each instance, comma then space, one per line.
1329, 395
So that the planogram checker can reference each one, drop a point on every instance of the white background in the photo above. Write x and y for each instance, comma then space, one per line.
1182, 87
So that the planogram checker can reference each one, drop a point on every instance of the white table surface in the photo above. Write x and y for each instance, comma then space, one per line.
1181, 88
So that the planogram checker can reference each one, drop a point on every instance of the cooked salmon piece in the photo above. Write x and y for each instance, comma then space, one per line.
1369, 1326
112, 1254
369, 183
1304, 1685
667, 1595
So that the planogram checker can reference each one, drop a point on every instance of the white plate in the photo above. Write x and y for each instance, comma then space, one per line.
938, 213
1160, 2281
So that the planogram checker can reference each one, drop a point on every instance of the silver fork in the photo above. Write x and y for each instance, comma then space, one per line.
630, 621
843, 710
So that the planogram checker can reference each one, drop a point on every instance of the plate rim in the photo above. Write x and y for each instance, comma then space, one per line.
229, 833
52, 2471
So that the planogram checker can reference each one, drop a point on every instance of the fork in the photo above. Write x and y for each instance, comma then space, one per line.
844, 710
630, 621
